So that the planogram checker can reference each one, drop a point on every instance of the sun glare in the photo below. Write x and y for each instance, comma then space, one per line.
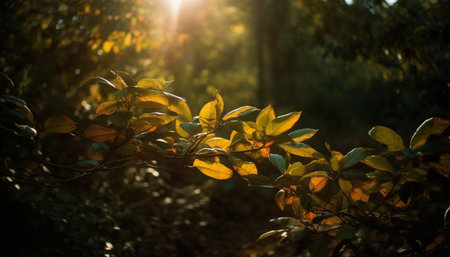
174, 6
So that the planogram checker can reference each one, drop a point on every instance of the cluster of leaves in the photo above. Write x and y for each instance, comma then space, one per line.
362, 201
341, 203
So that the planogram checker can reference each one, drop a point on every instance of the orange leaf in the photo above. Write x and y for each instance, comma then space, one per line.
358, 195
59, 124
317, 183
99, 133
309, 216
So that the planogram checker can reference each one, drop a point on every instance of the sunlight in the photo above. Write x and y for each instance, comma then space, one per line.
174, 7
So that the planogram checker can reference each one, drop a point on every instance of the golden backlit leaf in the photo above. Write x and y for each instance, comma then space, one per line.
302, 134
241, 111
181, 108
432, 126
336, 160
59, 124
107, 46
358, 195
245, 168
379, 163
98, 133
387, 137
279, 199
213, 168
218, 142
300, 149
295, 169
151, 83
107, 108
210, 113
265, 117
309, 216
282, 123
157, 118
317, 183
153, 97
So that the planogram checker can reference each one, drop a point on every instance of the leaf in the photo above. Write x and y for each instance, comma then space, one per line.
107, 108
297, 234
210, 113
181, 108
270, 233
213, 168
187, 129
346, 186
378, 162
120, 118
151, 83
278, 161
99, 133
97, 80
317, 183
302, 134
245, 168
280, 199
259, 180
107, 46
157, 118
282, 123
296, 169
354, 156
153, 97
297, 207
218, 142
387, 137
358, 195
432, 126
59, 124
286, 222
336, 160
265, 117
300, 149
239, 112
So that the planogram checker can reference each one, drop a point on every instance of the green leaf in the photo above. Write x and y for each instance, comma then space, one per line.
120, 118
213, 168
346, 186
300, 149
239, 112
259, 180
287, 180
378, 162
354, 156
151, 83
59, 124
282, 123
187, 129
286, 222
302, 134
346, 232
387, 137
298, 234
380, 175
278, 161
353, 174
432, 126
265, 117
157, 118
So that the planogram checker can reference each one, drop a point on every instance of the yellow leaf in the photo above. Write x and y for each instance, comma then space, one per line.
151, 83
180, 131
300, 149
213, 168
432, 126
99, 133
210, 113
336, 160
106, 108
59, 124
218, 142
153, 97
317, 183
241, 111
157, 118
181, 108
387, 137
107, 46
295, 169
245, 168
358, 195
282, 123
265, 117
